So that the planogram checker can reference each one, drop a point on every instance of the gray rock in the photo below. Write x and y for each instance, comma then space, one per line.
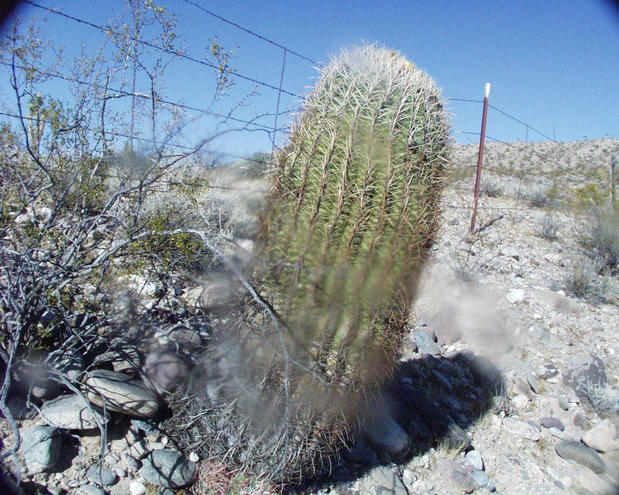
92, 490
41, 448
577, 452
166, 370
520, 429
474, 459
101, 476
459, 474
387, 435
546, 370
168, 469
121, 394
131, 462
123, 357
603, 437
585, 375
136, 488
72, 412
425, 343
533, 383
387, 481
552, 423
183, 336
480, 478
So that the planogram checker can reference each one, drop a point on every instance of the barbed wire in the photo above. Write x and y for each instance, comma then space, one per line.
107, 30
249, 31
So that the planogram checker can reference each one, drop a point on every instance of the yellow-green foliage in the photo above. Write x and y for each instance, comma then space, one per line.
353, 210
179, 251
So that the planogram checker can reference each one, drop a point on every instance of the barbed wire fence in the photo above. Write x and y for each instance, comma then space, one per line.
503, 158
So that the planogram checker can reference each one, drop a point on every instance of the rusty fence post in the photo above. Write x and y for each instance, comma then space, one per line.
613, 194
480, 157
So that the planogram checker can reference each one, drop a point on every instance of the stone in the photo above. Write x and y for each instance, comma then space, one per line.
121, 393
481, 479
603, 437
72, 412
585, 375
131, 462
212, 295
515, 296
520, 429
549, 422
533, 383
546, 370
520, 402
40, 448
474, 459
168, 469
92, 490
136, 488
165, 369
581, 421
386, 480
577, 452
425, 343
385, 434
122, 356
70, 363
183, 336
459, 474
101, 476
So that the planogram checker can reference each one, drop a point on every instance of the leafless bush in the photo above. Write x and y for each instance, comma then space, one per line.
539, 198
584, 281
491, 188
602, 237
549, 227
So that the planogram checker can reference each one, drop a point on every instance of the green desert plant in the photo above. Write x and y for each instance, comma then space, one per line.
347, 225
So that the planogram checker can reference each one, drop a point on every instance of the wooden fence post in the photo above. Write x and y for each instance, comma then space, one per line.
480, 157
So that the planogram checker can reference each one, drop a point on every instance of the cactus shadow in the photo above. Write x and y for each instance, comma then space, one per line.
434, 400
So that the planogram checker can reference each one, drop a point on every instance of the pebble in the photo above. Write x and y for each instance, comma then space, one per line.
387, 435
520, 429
482, 480
474, 459
533, 383
520, 402
586, 456
132, 463
167, 468
92, 490
546, 370
552, 423
136, 488
515, 296
101, 476
425, 343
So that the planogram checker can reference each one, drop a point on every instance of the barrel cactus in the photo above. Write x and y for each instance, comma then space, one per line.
351, 213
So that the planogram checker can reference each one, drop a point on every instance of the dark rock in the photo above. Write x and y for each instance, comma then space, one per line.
168, 469
577, 452
585, 375
166, 370
552, 423
387, 435
101, 476
41, 448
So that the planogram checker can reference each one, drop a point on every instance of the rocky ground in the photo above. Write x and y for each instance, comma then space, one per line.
507, 382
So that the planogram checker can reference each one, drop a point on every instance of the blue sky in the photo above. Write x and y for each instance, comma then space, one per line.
552, 63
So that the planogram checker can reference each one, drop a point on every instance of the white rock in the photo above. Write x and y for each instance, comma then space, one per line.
136, 488
515, 296
603, 437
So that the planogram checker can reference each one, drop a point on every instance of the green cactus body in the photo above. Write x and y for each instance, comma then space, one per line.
351, 213
353, 210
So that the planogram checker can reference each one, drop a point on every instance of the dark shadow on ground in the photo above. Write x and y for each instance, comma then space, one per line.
434, 399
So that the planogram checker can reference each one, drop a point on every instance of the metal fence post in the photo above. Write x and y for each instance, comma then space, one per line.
480, 157
613, 197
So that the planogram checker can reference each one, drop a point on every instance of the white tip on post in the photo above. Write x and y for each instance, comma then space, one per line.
487, 90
